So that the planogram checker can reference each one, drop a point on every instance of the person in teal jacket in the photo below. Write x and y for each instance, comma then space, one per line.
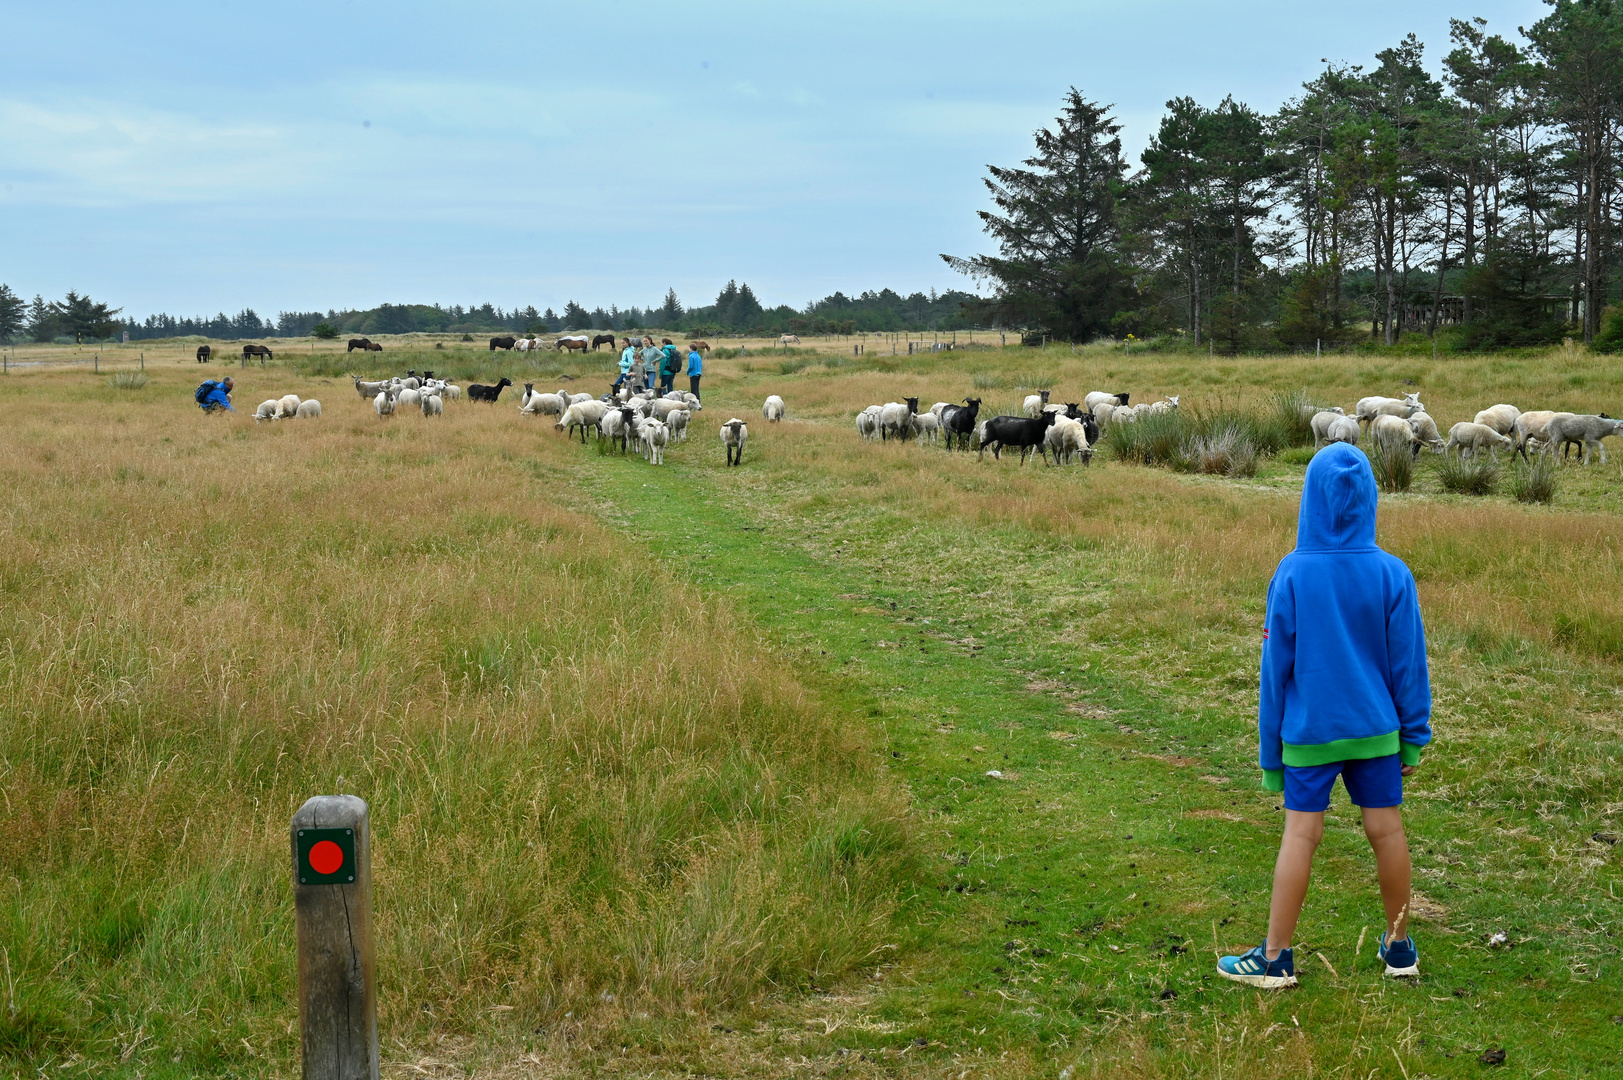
695, 371
1345, 692
651, 356
627, 356
668, 363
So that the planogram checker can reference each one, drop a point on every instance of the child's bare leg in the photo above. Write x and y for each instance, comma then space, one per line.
1303, 831
1384, 827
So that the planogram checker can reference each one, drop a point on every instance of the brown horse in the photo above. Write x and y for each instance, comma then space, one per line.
203, 354
572, 343
357, 343
257, 350
603, 339
502, 343
372, 346
699, 346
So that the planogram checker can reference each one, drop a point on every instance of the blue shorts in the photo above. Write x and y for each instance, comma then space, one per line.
1370, 782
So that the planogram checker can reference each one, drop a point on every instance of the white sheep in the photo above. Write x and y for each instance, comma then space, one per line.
1502, 418
1067, 440
773, 410
288, 407
1034, 403
1585, 430
655, 437
733, 434
677, 421
1371, 407
385, 401
1470, 438
452, 391
1425, 429
309, 409
1098, 397
662, 409
1532, 427
1321, 423
897, 418
409, 398
1343, 429
1123, 414
1168, 405
1103, 413
1393, 433
927, 425
1308, 412
268, 410
411, 383
868, 422
431, 404
583, 415
939, 407
368, 389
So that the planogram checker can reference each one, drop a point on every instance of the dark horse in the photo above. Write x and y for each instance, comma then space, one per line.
372, 346
603, 339
357, 343
257, 350
203, 354
502, 343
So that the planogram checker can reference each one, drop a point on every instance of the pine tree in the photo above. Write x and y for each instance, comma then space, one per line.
1059, 266
13, 313
671, 312
576, 317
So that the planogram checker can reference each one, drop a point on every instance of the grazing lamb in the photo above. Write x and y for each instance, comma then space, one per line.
1035, 402
1343, 429
384, 402
1425, 429
309, 409
1321, 422
1393, 433
1165, 406
1502, 418
655, 437
927, 425
958, 421
481, 392
773, 410
430, 404
1582, 430
897, 419
584, 414
733, 434
1532, 427
1067, 440
1371, 407
368, 389
268, 410
288, 407
1471, 437
544, 405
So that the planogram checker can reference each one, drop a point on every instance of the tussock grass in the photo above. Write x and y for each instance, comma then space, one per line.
573, 796
1534, 480
128, 380
1394, 467
1477, 475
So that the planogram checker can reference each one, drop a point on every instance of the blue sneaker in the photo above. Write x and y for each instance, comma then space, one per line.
1402, 958
1255, 969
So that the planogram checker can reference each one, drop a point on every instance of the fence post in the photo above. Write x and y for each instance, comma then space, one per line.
143, 359
96, 360
1317, 343
332, 900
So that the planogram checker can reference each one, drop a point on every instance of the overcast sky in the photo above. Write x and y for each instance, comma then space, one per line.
197, 157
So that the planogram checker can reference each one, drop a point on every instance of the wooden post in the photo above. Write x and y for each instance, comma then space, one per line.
332, 900
96, 360
143, 359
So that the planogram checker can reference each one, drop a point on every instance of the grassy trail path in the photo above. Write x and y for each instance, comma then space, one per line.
1068, 909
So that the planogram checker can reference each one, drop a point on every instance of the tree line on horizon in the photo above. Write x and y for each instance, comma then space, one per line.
1480, 208
736, 311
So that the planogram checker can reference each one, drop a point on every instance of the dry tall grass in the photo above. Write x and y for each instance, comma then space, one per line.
587, 784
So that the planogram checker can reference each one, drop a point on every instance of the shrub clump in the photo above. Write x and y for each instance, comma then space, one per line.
1534, 481
128, 380
1228, 452
1468, 476
1394, 469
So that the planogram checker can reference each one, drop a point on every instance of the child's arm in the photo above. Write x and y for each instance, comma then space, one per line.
1411, 680
1278, 661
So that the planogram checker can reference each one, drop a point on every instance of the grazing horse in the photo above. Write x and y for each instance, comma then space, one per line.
257, 350
788, 339
203, 354
573, 343
357, 343
502, 343
699, 346
603, 339
372, 346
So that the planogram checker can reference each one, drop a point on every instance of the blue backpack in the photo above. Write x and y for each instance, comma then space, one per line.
204, 391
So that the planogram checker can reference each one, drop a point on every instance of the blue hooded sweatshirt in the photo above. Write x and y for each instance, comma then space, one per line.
1344, 653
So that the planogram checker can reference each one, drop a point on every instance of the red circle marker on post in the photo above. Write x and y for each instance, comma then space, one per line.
326, 857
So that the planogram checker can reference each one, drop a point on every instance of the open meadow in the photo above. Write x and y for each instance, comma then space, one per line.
862, 759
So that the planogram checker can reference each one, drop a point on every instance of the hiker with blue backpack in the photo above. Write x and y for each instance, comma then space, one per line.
1345, 692
214, 396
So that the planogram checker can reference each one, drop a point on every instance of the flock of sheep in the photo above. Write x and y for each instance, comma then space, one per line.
1068, 432
425, 393
1395, 424
287, 408
644, 418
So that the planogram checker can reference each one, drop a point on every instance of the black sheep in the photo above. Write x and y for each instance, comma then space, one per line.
481, 392
960, 420
1022, 431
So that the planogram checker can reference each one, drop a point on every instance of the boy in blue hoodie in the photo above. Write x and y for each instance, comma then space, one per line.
1345, 692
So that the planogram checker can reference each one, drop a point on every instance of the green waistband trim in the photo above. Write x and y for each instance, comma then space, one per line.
1370, 746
